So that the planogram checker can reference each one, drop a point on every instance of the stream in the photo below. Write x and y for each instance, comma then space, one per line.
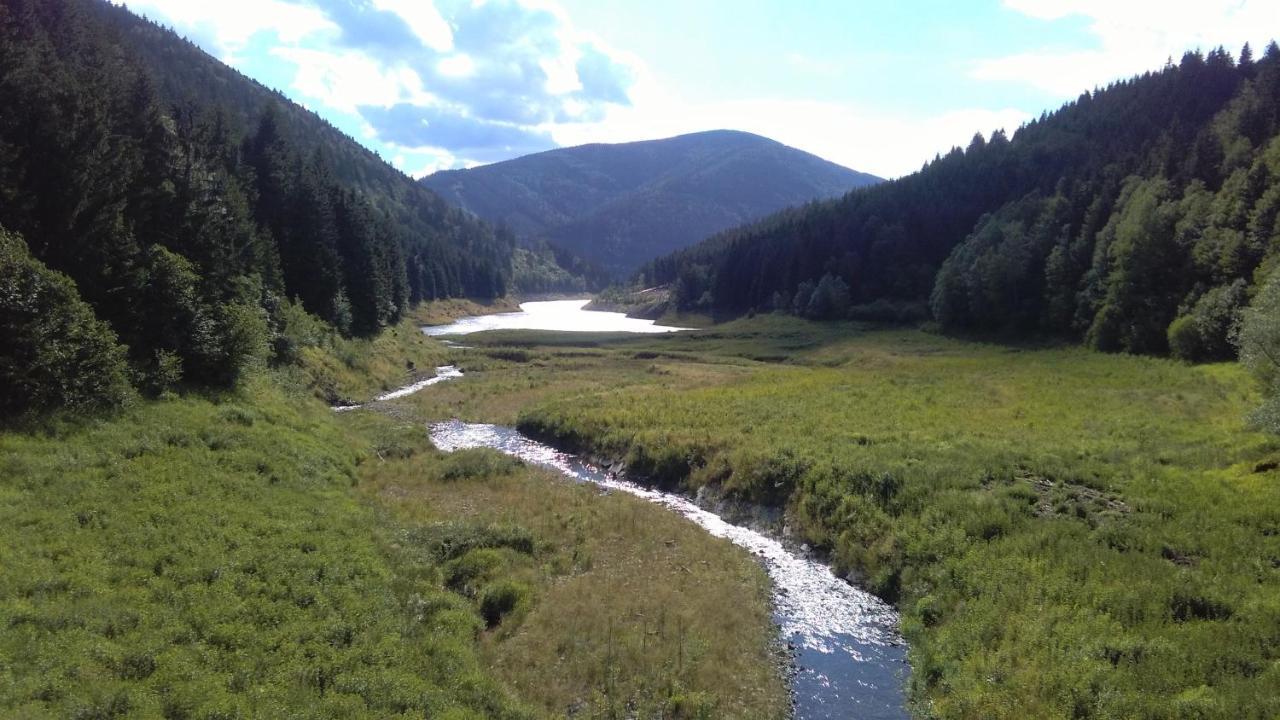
444, 372
850, 660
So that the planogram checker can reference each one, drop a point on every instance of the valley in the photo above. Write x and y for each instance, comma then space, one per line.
367, 359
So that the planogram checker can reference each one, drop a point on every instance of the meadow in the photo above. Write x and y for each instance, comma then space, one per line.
208, 558
1067, 533
253, 554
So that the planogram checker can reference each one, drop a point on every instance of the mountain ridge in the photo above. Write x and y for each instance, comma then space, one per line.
619, 204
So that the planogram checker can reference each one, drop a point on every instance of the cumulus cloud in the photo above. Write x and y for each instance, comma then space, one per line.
495, 69
227, 25
888, 144
430, 126
1132, 37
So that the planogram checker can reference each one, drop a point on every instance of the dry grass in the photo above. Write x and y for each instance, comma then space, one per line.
635, 611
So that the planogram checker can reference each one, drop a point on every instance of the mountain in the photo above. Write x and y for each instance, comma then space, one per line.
620, 205
1137, 218
200, 215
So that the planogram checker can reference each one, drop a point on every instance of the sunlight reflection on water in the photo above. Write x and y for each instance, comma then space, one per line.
565, 315
851, 659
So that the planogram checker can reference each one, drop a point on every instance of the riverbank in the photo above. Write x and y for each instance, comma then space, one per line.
1095, 531
197, 557
256, 554
618, 607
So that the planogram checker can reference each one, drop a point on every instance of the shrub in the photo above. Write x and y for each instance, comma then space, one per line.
55, 353
447, 541
1259, 343
501, 599
476, 463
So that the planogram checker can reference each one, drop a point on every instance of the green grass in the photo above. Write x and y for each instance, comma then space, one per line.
602, 603
199, 559
254, 554
1068, 534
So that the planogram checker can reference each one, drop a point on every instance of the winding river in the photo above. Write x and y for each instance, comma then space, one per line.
850, 661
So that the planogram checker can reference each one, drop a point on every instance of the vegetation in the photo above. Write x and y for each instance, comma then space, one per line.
207, 559
601, 605
200, 226
1139, 218
1067, 534
255, 554
545, 269
57, 355
617, 206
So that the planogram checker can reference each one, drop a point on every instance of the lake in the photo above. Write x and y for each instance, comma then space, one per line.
564, 315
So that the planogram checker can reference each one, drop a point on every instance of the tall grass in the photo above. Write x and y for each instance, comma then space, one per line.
1068, 534
597, 604
204, 559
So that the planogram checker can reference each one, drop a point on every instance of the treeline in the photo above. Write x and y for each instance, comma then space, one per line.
1138, 218
200, 230
539, 268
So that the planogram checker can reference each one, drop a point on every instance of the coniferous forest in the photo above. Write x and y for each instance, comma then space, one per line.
231, 487
196, 214
1139, 218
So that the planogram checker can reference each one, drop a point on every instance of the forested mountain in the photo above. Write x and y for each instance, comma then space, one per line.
196, 212
1137, 218
620, 205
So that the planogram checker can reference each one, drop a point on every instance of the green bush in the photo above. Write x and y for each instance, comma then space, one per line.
1184, 338
501, 599
55, 353
475, 463
1259, 343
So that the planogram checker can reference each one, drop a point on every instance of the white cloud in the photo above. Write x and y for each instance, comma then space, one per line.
423, 19
231, 23
1133, 36
345, 80
456, 66
885, 144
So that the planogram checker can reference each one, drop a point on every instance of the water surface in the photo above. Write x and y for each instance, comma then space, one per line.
566, 315
851, 660
444, 372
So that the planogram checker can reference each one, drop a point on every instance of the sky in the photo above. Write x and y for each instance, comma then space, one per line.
880, 87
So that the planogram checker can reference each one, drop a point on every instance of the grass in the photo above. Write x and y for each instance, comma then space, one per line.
256, 555
1068, 534
352, 370
201, 559
599, 605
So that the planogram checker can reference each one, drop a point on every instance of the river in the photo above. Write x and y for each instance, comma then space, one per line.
850, 660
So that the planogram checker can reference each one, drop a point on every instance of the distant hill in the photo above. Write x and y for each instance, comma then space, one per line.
621, 205
165, 207
1137, 218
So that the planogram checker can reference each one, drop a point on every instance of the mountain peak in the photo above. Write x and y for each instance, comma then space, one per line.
622, 204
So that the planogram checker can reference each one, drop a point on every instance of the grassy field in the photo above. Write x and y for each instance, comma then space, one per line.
209, 559
1068, 534
618, 607
257, 555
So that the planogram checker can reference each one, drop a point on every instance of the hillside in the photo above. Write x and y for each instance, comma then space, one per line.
205, 221
620, 205
1137, 218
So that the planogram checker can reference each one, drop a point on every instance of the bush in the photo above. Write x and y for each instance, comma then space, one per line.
55, 353
1204, 333
447, 541
501, 599
1259, 343
476, 463
1184, 339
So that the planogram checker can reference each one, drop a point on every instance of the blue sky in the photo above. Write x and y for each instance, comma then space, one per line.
877, 86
